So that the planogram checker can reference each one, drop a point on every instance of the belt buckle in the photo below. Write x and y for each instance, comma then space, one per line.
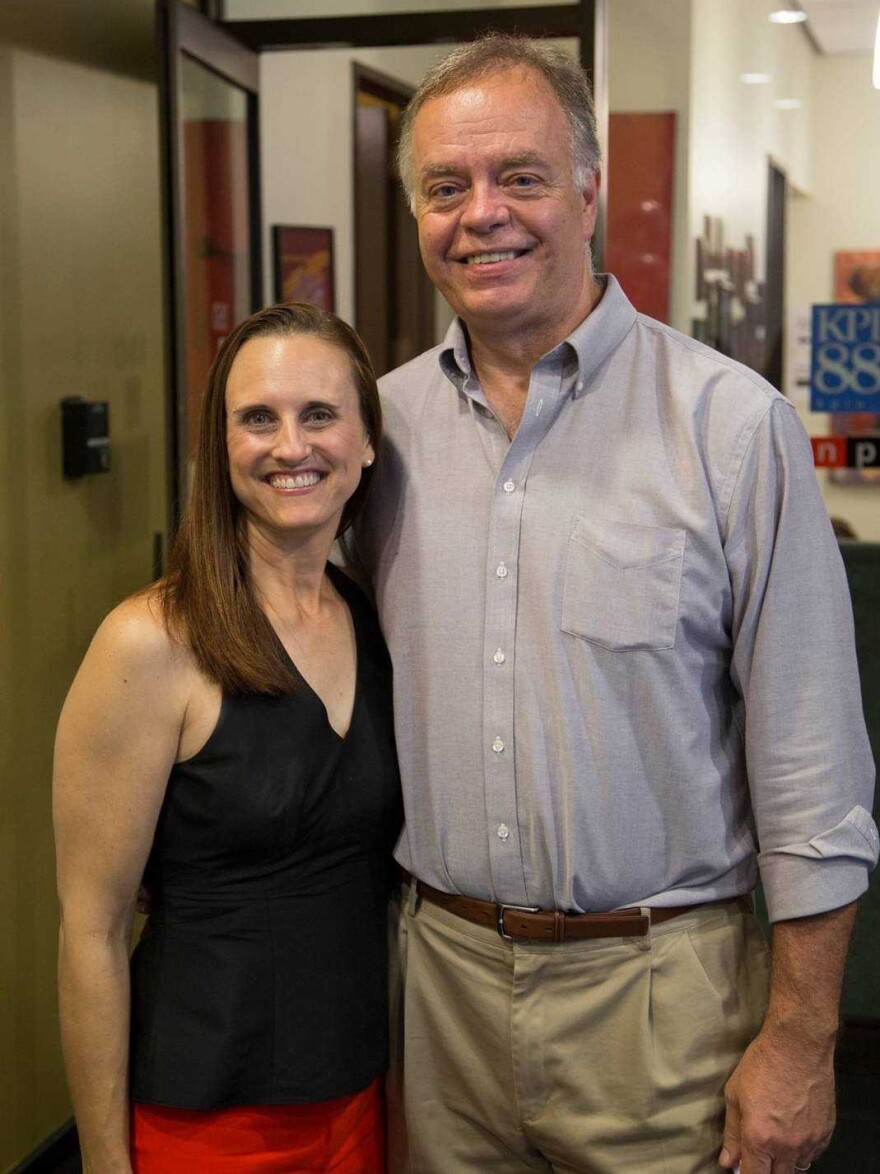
500, 910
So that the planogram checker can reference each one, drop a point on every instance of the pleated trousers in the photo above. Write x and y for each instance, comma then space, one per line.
596, 1057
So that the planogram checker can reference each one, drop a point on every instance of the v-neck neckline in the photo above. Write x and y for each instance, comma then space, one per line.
333, 574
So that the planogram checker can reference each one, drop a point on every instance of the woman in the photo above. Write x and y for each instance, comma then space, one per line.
229, 738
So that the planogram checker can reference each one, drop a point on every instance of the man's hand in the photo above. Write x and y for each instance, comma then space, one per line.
780, 1106
780, 1098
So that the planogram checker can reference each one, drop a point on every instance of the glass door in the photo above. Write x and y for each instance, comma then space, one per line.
212, 202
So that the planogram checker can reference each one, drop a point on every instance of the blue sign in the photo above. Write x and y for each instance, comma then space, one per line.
845, 366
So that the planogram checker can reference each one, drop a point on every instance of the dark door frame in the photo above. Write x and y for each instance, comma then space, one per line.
182, 30
774, 276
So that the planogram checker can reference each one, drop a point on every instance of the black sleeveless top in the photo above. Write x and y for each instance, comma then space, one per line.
260, 977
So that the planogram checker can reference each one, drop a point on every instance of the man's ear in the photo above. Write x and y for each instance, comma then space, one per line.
591, 202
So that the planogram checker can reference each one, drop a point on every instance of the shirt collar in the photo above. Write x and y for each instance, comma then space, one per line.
455, 359
588, 345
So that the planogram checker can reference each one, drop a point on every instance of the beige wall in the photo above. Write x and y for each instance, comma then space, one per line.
80, 314
841, 212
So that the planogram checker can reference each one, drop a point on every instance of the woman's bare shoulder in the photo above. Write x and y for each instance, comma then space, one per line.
135, 636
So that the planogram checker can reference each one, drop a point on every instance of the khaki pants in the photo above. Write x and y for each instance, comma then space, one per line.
607, 1057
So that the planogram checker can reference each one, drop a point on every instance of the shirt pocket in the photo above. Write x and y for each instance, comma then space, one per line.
622, 584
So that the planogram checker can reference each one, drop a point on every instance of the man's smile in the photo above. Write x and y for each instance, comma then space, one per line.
488, 258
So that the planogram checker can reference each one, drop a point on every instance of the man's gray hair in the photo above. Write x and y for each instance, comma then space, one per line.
496, 53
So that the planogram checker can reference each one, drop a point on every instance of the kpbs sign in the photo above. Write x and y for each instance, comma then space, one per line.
845, 361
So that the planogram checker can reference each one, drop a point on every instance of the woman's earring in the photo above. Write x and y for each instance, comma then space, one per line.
368, 462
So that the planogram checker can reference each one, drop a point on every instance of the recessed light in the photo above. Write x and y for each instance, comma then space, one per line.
755, 79
788, 103
787, 16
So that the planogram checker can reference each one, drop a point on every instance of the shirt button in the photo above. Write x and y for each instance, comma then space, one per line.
503, 831
497, 745
509, 487
499, 656
501, 571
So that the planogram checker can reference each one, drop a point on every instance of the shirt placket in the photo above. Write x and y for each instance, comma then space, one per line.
499, 645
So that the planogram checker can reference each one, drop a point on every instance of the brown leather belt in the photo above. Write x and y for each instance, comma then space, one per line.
546, 925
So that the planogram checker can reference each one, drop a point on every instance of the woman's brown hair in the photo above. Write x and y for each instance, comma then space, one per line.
207, 595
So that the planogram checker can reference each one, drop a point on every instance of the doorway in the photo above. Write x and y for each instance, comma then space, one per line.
394, 299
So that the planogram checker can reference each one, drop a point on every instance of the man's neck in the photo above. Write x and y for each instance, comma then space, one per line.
503, 361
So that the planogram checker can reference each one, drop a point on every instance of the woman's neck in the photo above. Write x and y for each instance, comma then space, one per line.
288, 577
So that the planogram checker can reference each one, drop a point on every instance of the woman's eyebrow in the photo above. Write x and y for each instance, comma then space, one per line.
248, 406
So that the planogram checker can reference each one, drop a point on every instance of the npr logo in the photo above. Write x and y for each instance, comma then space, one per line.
845, 367
846, 452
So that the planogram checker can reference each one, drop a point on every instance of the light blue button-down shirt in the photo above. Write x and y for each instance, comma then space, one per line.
622, 640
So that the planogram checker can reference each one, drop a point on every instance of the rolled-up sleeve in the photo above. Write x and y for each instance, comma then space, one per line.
810, 770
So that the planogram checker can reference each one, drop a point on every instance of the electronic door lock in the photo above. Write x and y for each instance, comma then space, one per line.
85, 436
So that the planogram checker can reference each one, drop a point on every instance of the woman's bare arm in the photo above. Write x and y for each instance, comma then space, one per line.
117, 741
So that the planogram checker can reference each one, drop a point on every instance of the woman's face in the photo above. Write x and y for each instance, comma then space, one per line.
295, 437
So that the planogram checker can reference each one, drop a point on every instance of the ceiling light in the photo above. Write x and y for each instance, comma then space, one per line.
755, 79
877, 57
788, 103
787, 16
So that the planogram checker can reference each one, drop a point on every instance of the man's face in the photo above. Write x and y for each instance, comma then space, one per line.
502, 226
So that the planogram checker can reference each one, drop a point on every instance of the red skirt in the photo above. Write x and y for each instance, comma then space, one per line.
345, 1136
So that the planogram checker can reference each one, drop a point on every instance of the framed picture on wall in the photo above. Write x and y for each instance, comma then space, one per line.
857, 276
856, 279
303, 265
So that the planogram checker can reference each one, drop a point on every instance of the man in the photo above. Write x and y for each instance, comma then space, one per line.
625, 681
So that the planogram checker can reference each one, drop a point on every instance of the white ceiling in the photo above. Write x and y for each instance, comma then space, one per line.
842, 26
